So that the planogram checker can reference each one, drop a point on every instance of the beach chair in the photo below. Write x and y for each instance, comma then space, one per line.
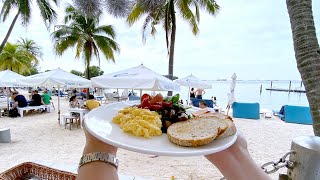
134, 98
246, 110
195, 102
297, 114
110, 97
124, 96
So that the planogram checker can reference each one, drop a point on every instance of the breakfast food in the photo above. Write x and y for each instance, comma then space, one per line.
169, 109
231, 130
139, 122
197, 132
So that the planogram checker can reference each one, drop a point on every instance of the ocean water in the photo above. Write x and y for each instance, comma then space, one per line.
249, 91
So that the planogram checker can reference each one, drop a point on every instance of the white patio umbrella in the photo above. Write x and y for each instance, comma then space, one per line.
139, 77
56, 78
193, 81
231, 96
10, 79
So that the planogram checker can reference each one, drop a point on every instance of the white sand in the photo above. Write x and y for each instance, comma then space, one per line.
39, 137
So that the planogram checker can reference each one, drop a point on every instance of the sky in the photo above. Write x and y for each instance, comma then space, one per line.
250, 38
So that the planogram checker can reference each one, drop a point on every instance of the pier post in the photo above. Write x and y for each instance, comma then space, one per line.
301, 84
271, 85
289, 86
260, 89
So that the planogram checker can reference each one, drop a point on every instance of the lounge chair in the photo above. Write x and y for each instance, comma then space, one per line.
297, 114
195, 102
246, 110
134, 98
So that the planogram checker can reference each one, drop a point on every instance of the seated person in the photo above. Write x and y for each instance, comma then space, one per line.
36, 99
20, 100
203, 104
92, 103
73, 102
46, 98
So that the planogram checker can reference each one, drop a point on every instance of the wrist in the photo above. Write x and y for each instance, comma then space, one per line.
90, 148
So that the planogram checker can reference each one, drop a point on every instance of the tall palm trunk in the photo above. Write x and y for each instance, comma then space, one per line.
172, 42
88, 77
307, 53
9, 32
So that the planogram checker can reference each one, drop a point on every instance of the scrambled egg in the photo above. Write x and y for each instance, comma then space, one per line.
139, 122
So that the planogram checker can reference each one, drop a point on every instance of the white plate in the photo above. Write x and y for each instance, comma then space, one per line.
99, 124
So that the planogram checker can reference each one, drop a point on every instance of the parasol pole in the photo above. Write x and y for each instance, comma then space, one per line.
59, 104
188, 98
8, 102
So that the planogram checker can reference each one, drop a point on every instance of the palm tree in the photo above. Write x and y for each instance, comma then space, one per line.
16, 59
24, 11
83, 32
164, 12
31, 46
307, 53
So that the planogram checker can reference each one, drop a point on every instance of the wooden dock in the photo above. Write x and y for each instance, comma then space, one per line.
286, 90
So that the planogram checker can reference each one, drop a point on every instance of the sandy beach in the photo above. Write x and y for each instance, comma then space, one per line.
39, 137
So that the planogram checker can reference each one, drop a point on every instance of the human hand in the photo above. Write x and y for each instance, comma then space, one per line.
239, 146
95, 145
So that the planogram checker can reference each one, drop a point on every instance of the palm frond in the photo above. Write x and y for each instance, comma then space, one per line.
25, 11
48, 15
197, 12
89, 8
6, 7
30, 46
108, 30
107, 46
65, 43
151, 5
79, 47
186, 13
118, 8
144, 27
135, 14
210, 6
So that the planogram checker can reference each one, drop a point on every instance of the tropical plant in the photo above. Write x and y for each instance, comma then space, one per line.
24, 11
82, 31
75, 72
117, 8
307, 53
31, 46
17, 59
94, 71
33, 70
164, 12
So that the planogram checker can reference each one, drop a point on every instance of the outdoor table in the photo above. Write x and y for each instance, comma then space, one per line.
81, 111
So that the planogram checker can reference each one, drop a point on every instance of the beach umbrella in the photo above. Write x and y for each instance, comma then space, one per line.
56, 78
193, 81
139, 77
231, 96
10, 79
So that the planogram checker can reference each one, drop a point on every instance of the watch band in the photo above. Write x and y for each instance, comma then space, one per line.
99, 156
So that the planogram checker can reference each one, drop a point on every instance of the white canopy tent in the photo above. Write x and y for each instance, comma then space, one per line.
139, 77
10, 79
193, 81
56, 78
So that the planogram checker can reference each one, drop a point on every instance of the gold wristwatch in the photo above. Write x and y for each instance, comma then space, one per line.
99, 156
